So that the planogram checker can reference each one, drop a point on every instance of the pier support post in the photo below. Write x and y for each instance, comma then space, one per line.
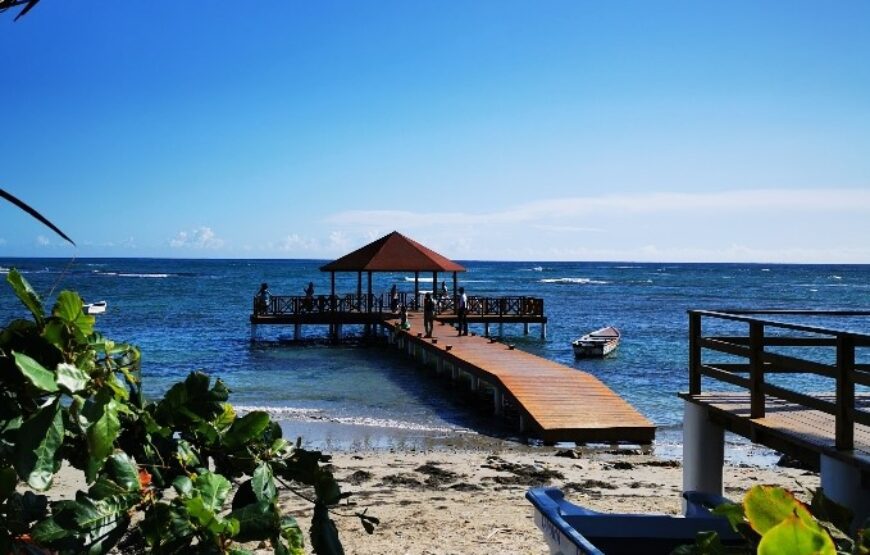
475, 383
703, 451
501, 329
522, 423
454, 374
486, 329
439, 366
544, 330
842, 483
498, 397
254, 333
297, 331
525, 328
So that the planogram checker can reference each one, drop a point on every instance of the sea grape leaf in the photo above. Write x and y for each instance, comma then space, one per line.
257, 521
40, 377
208, 518
68, 308
72, 379
167, 528
213, 488
48, 531
39, 438
795, 536
263, 484
183, 486
767, 506
246, 429
225, 419
291, 532
104, 428
26, 294
120, 477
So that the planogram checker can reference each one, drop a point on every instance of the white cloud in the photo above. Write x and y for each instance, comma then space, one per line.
769, 225
296, 242
199, 238
543, 212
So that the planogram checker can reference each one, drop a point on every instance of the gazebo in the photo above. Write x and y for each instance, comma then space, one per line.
393, 253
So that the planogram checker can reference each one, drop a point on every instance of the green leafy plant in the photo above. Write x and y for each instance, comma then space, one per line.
775, 522
182, 474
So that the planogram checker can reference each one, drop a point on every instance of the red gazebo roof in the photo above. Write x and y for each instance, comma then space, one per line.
393, 253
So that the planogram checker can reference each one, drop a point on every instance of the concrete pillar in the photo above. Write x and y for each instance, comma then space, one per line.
254, 333
498, 397
543, 331
500, 329
475, 383
439, 366
522, 423
842, 483
297, 331
454, 374
703, 451
525, 328
486, 329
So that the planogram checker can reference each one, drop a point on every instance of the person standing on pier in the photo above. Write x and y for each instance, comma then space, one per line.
428, 314
309, 296
261, 299
462, 312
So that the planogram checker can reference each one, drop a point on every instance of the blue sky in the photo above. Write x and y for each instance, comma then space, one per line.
660, 131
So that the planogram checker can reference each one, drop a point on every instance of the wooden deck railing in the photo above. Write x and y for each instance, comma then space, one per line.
280, 305
824, 352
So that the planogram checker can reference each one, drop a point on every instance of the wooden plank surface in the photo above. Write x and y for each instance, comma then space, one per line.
810, 429
563, 404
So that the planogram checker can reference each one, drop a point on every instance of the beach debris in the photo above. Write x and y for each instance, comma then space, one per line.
621, 465
567, 453
435, 475
523, 474
465, 486
662, 463
359, 477
586, 485
401, 480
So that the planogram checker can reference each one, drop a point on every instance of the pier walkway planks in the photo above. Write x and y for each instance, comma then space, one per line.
557, 402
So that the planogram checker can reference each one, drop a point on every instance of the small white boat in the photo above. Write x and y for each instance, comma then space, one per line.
95, 308
599, 343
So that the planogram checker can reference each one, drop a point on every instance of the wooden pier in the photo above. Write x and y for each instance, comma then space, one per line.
827, 429
336, 311
555, 403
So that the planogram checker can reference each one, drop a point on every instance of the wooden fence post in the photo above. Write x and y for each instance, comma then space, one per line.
694, 353
756, 369
845, 410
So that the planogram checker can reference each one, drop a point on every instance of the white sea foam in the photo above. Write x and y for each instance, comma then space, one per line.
132, 275
285, 412
580, 281
836, 277
317, 415
765, 269
627, 267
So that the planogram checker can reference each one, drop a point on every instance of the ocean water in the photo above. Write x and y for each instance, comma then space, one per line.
193, 315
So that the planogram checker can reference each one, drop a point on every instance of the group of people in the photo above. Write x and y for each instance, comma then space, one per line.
430, 306
430, 309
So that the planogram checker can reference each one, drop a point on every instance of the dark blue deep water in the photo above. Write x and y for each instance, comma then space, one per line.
193, 314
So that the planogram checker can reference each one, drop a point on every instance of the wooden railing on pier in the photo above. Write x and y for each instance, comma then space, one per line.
837, 420
280, 305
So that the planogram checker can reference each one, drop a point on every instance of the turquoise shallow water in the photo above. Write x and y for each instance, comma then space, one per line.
193, 314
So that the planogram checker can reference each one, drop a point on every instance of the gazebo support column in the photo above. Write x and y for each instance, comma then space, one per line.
359, 291
416, 290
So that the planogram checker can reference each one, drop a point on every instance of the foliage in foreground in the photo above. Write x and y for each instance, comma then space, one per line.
774, 522
160, 475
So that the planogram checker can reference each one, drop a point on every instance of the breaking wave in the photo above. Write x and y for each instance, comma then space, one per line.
580, 281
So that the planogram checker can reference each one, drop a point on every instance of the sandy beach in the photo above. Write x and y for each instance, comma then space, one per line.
471, 500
